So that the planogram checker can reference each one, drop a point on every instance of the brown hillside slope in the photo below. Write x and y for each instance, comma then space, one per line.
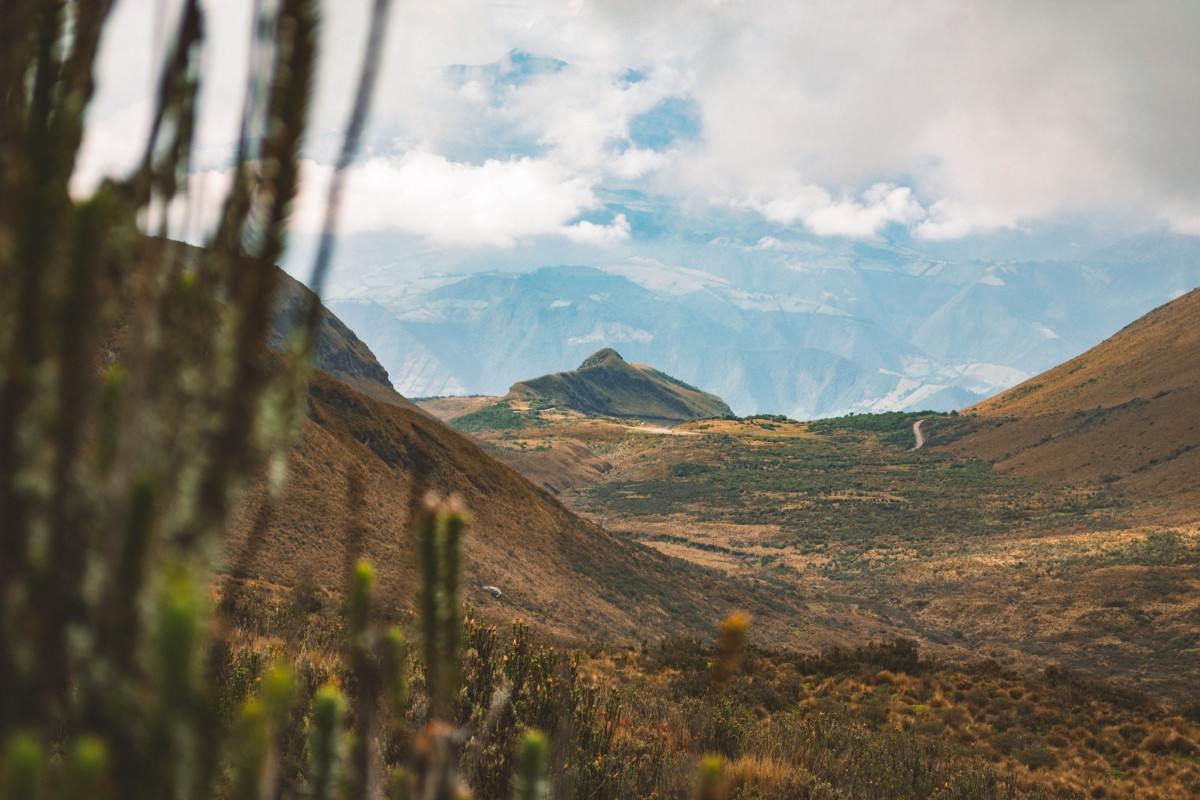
338, 350
1126, 413
349, 490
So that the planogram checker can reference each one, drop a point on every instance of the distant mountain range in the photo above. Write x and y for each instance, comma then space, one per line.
793, 327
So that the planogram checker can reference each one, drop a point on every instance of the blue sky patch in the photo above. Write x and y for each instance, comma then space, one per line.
516, 68
521, 66
632, 76
672, 120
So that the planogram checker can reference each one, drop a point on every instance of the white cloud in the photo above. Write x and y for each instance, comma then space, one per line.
882, 204
449, 203
636, 162
1017, 111
812, 206
950, 220
585, 232
1182, 218
579, 112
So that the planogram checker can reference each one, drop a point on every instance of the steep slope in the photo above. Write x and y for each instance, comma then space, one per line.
1122, 414
338, 351
410, 363
1158, 353
606, 385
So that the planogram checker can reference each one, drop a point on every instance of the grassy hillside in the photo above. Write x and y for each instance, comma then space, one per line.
607, 385
337, 350
1158, 353
1122, 414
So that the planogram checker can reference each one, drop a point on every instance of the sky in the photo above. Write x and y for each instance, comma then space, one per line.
586, 129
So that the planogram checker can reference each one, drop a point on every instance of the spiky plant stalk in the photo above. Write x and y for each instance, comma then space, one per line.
137, 399
731, 647
248, 759
392, 654
258, 736
710, 779
88, 770
428, 601
393, 668
365, 668
531, 781
452, 526
439, 531
325, 742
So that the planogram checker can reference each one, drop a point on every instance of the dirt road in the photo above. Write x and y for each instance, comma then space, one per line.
664, 431
920, 437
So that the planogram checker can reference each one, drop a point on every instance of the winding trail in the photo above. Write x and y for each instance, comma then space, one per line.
663, 431
919, 436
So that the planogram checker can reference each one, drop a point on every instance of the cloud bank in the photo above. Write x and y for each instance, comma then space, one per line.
451, 203
495, 124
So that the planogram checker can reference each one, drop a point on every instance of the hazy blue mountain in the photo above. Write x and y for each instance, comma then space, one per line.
792, 328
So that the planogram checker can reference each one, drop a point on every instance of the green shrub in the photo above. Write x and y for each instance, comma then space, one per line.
886, 422
500, 417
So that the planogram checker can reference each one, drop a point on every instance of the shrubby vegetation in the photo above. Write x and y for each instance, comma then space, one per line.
878, 721
839, 491
498, 417
665, 719
893, 427
780, 418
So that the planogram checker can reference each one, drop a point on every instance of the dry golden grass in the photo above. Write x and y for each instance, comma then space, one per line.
1060, 584
1050, 731
451, 407
1122, 415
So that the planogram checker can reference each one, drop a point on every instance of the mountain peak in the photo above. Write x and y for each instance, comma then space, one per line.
601, 358
607, 385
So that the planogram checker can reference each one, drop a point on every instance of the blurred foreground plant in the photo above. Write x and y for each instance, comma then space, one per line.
137, 398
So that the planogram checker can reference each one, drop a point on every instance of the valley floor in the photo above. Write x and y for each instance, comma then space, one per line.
874, 541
